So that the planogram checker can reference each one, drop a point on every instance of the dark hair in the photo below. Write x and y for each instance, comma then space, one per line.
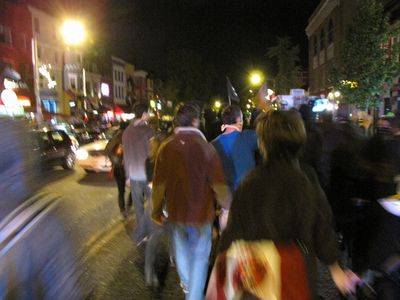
281, 134
123, 125
140, 108
230, 114
186, 114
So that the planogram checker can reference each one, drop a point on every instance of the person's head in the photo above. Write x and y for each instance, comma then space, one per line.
232, 115
188, 115
305, 112
281, 134
123, 125
141, 111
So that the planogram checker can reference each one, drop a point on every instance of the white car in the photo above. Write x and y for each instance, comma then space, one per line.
93, 158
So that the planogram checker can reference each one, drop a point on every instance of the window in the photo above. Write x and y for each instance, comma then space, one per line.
315, 46
122, 77
330, 32
72, 81
50, 106
36, 25
115, 74
322, 40
5, 35
122, 92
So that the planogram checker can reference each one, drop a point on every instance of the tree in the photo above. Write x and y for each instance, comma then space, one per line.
287, 57
367, 60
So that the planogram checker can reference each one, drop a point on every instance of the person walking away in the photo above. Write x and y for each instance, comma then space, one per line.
136, 147
154, 232
115, 153
188, 178
236, 150
38, 258
279, 222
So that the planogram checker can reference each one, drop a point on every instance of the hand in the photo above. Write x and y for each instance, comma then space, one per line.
345, 280
128, 183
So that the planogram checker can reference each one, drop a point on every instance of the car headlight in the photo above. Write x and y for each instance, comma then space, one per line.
82, 154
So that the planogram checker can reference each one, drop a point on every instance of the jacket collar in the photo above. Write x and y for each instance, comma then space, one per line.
189, 129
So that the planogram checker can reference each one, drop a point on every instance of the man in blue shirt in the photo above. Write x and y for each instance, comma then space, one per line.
236, 148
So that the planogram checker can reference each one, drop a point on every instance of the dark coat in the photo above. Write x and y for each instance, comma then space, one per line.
282, 202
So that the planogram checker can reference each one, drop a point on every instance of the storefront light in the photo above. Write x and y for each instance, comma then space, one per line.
9, 98
105, 89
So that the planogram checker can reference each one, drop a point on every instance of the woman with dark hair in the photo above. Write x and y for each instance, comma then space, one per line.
279, 222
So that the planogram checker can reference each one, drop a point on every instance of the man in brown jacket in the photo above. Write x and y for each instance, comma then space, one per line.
188, 178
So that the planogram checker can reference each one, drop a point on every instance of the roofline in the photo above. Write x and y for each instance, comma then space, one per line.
323, 9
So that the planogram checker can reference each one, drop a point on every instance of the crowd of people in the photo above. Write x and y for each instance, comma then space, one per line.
286, 188
248, 210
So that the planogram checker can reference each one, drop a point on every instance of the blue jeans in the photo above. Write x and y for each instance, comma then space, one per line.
192, 244
140, 193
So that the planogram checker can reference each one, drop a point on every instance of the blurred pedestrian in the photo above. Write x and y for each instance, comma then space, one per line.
278, 224
236, 149
37, 256
212, 124
115, 151
188, 178
136, 148
153, 231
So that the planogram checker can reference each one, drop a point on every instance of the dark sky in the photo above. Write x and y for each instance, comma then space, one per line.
233, 35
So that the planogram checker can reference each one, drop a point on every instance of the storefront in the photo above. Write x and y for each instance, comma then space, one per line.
15, 97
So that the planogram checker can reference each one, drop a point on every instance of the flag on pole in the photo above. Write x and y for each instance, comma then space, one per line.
232, 95
263, 99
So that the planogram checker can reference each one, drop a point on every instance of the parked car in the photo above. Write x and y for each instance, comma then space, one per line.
92, 157
55, 148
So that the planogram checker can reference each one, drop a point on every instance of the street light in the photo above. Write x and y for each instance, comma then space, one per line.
256, 78
217, 104
73, 32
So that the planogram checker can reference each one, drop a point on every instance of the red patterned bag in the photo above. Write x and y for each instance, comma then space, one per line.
261, 268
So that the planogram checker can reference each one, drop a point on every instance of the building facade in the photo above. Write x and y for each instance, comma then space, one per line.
119, 81
16, 67
143, 86
326, 32
47, 54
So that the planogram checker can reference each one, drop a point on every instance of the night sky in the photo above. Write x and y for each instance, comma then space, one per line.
232, 35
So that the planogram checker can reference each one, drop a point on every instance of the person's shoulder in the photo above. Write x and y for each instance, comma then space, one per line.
216, 140
249, 134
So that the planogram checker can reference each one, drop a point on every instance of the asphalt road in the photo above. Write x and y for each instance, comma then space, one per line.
113, 265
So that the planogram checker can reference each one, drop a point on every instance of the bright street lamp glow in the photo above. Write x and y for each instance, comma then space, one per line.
337, 94
217, 104
73, 32
256, 78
